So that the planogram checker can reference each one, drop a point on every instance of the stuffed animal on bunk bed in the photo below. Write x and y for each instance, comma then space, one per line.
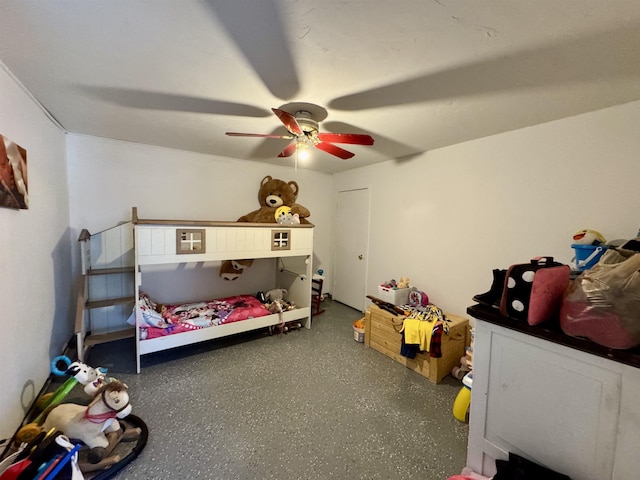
232, 269
285, 217
276, 302
272, 194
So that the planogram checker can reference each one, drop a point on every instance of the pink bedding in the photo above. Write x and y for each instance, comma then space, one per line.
160, 319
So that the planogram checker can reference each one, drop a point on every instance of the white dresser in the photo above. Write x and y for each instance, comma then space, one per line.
564, 403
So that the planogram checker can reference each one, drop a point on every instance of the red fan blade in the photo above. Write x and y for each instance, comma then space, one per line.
334, 150
288, 150
237, 134
352, 138
289, 121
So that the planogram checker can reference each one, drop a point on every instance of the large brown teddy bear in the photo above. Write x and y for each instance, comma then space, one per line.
273, 194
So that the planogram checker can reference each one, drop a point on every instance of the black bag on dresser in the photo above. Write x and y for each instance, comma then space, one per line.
533, 291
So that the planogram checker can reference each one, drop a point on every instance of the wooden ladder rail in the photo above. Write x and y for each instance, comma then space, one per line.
81, 327
85, 339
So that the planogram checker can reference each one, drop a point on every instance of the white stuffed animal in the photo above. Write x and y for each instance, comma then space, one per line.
91, 378
278, 294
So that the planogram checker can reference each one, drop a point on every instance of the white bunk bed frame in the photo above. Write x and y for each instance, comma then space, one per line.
156, 242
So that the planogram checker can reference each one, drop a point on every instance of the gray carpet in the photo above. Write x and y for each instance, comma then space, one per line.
309, 404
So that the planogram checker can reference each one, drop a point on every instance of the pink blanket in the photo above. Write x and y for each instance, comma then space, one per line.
161, 319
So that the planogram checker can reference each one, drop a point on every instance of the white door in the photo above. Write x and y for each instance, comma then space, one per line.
351, 245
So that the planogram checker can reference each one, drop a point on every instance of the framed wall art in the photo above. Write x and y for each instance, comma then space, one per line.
13, 175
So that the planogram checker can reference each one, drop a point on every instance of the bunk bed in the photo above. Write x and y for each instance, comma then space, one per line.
167, 242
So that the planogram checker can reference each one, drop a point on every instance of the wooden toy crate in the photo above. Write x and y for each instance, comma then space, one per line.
382, 333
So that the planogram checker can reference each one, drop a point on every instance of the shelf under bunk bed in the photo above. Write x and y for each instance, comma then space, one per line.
171, 242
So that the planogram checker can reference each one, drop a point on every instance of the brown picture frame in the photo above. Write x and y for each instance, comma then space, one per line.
13, 175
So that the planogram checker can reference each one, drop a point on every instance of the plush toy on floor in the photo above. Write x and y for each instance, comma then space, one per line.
466, 362
272, 194
78, 372
92, 378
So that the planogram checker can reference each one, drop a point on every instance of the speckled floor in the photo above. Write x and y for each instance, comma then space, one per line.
310, 404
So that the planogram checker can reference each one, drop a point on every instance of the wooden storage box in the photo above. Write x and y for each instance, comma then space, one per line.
382, 332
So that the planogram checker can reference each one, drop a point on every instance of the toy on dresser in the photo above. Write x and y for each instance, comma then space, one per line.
589, 246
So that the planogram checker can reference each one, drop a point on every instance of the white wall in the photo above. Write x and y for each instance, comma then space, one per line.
35, 268
445, 219
108, 177
450, 216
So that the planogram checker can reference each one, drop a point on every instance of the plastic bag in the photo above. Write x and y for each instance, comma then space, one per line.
603, 303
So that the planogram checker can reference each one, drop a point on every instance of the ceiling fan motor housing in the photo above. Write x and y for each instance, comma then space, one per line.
307, 123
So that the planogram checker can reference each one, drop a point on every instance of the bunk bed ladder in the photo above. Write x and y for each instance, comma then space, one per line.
101, 314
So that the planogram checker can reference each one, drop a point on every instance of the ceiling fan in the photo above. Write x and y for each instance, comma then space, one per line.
303, 129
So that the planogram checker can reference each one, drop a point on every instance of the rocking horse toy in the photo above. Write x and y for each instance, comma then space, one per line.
108, 436
92, 423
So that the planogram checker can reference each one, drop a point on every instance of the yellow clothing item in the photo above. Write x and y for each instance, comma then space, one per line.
418, 332
411, 329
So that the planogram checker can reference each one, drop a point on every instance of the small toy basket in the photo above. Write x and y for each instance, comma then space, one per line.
587, 255
397, 296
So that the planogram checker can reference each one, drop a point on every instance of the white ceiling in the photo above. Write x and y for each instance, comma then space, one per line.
414, 74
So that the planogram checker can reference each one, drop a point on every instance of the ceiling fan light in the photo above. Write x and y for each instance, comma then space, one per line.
302, 150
